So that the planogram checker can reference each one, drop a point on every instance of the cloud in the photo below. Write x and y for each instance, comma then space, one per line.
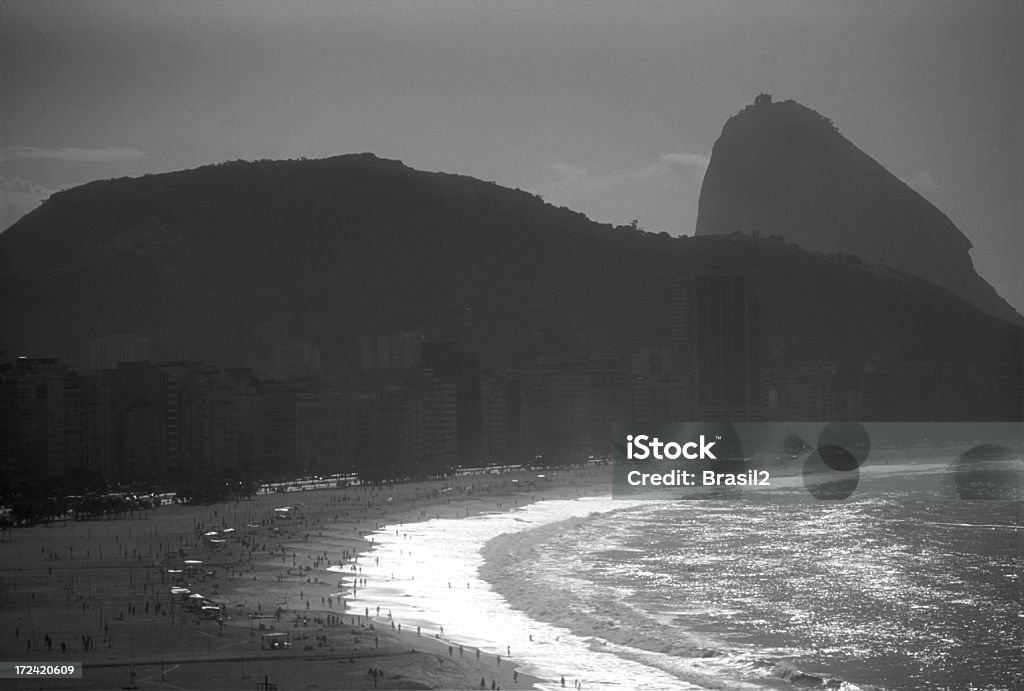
574, 181
667, 167
72, 154
687, 160
662, 193
17, 197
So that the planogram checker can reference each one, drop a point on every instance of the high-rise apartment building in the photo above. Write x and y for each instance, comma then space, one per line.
716, 330
105, 353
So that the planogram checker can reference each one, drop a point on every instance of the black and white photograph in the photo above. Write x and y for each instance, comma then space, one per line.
601, 345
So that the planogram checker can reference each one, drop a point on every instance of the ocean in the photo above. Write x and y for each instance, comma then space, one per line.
627, 594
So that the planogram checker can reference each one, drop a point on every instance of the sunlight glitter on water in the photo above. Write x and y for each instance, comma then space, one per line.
718, 593
425, 574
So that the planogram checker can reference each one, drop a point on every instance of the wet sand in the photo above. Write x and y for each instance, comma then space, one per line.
100, 591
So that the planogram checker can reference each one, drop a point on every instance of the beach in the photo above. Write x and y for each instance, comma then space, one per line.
279, 566
518, 581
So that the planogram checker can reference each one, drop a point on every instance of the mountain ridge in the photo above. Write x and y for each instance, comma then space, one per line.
782, 168
222, 262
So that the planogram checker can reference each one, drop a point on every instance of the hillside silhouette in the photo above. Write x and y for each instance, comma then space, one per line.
221, 262
782, 168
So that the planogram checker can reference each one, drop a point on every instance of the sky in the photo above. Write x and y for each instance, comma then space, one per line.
609, 108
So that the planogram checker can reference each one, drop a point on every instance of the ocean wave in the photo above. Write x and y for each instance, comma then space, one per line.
560, 596
820, 597
871, 594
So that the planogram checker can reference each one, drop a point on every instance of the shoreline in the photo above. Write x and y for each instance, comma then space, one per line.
115, 599
485, 497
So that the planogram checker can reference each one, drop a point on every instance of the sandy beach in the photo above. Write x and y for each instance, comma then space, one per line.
99, 592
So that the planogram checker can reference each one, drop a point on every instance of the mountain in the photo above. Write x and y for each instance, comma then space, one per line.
783, 169
221, 263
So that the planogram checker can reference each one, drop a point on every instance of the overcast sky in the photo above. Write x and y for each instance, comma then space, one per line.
607, 108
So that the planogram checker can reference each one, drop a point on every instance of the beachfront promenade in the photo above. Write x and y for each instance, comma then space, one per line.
100, 592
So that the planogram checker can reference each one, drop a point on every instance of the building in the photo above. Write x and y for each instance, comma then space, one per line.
501, 420
393, 351
429, 420
609, 399
462, 370
716, 330
404, 421
54, 422
804, 394
654, 400
297, 359
279, 428
324, 430
32, 436
557, 403
107, 352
